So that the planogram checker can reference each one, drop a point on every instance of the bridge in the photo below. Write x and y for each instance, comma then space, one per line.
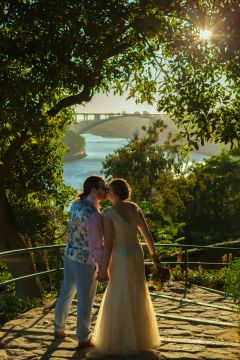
103, 116
87, 121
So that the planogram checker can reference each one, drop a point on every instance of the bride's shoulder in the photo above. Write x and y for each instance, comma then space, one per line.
132, 205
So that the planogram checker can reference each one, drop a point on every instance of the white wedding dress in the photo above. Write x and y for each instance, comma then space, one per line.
126, 321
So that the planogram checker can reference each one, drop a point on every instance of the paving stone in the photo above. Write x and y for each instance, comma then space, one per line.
162, 325
3, 355
204, 336
190, 327
217, 356
181, 333
182, 348
179, 356
214, 331
188, 311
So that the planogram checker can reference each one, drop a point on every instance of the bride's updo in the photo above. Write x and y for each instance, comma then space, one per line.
121, 188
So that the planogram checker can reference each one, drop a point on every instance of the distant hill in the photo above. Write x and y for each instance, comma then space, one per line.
126, 126
76, 145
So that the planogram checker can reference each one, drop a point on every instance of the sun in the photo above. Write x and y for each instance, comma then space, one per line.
205, 34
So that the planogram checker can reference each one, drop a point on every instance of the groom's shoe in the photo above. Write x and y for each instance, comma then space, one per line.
84, 344
60, 334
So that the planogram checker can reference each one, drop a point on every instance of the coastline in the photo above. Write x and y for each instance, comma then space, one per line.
77, 156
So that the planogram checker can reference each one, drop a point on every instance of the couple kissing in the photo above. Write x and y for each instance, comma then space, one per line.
105, 247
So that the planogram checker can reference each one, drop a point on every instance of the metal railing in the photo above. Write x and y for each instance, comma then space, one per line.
184, 248
57, 247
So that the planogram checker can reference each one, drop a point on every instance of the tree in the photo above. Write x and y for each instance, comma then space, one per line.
210, 194
55, 55
199, 202
34, 189
199, 80
151, 169
144, 163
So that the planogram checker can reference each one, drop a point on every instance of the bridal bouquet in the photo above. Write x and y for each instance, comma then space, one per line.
159, 274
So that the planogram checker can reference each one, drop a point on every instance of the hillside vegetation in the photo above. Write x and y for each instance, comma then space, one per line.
76, 146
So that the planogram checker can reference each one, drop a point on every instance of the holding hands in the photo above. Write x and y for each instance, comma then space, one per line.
102, 276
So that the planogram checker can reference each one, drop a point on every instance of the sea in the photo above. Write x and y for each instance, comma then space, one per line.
97, 148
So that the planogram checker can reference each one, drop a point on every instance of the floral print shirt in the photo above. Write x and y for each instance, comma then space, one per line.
84, 233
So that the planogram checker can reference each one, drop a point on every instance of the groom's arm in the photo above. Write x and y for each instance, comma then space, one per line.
95, 237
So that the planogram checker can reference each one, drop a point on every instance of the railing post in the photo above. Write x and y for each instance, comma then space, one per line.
58, 267
186, 267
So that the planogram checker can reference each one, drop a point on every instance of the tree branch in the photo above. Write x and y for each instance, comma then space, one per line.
83, 96
86, 94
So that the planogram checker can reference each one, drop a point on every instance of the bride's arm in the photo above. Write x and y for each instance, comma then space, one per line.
143, 228
108, 233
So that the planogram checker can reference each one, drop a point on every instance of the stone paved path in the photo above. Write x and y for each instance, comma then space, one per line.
199, 326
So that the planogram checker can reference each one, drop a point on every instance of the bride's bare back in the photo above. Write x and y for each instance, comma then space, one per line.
127, 210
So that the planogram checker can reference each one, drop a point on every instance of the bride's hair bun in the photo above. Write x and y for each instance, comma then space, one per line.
121, 188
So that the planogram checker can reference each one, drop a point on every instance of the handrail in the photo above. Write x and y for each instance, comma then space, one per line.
185, 247
26, 250
210, 247
7, 282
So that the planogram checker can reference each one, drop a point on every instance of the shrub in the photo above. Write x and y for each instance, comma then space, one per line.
214, 279
232, 282
11, 307
4, 276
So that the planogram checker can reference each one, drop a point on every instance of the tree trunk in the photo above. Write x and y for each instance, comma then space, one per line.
21, 264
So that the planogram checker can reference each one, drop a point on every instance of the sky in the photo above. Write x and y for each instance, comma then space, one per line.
102, 103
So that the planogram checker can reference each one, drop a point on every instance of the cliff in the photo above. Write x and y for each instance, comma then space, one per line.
76, 145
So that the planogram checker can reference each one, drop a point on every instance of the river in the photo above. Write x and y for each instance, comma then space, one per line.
97, 147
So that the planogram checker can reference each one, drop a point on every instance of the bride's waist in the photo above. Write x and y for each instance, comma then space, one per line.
127, 247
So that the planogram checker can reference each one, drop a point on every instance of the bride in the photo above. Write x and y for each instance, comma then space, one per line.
126, 322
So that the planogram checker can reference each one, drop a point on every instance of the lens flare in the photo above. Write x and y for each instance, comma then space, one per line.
205, 34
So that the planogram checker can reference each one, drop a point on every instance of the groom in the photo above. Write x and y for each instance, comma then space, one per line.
83, 255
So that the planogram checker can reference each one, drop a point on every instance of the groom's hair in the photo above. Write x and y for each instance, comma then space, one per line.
92, 182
